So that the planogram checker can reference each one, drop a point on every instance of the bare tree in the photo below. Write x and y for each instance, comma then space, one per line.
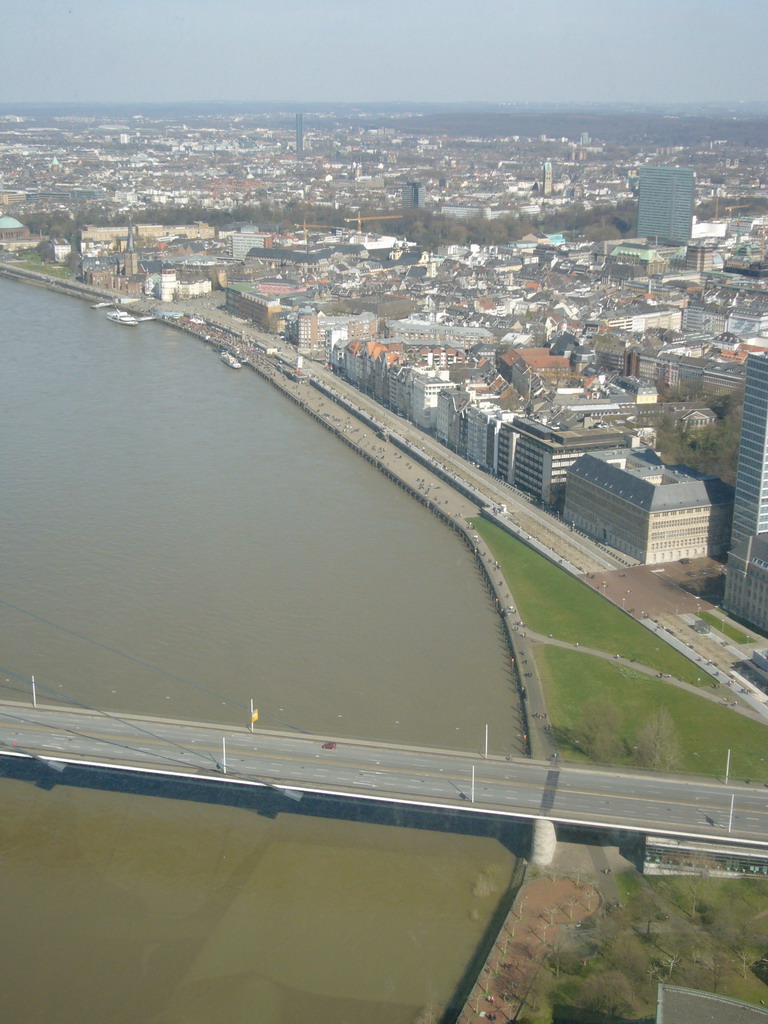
608, 992
671, 961
696, 883
648, 907
745, 957
550, 912
600, 733
557, 952
657, 742
717, 965
570, 903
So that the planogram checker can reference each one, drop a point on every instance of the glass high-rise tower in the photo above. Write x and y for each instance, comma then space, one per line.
665, 206
750, 509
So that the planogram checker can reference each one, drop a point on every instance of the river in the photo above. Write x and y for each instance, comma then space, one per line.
179, 539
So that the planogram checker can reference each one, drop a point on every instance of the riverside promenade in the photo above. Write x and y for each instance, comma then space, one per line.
545, 911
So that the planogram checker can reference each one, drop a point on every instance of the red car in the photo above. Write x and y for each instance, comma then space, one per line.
329, 746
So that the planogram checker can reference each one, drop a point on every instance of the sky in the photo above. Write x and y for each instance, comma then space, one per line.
299, 51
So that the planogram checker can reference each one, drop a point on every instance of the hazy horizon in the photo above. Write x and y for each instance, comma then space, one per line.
344, 52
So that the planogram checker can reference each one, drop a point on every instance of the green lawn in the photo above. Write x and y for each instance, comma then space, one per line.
705, 730
726, 628
33, 262
550, 600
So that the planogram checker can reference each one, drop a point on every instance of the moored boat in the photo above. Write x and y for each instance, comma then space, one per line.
230, 360
119, 316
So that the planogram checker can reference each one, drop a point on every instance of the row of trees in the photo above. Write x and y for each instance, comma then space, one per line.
427, 228
654, 744
690, 930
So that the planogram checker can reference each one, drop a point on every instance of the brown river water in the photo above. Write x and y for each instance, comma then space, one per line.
179, 539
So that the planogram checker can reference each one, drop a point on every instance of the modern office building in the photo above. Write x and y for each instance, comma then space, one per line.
746, 585
750, 511
412, 195
665, 206
547, 178
299, 135
535, 457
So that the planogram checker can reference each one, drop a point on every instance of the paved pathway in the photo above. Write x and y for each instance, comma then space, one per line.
543, 910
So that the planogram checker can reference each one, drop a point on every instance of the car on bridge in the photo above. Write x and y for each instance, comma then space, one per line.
329, 746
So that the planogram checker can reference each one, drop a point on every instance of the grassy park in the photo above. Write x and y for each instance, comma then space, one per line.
598, 708
550, 600
32, 261
579, 686
732, 632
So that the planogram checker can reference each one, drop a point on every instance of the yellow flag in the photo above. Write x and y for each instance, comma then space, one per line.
255, 715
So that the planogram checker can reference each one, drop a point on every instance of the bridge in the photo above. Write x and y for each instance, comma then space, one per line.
297, 764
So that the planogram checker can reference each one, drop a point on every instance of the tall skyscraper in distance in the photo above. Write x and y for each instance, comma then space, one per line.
750, 505
548, 177
299, 135
665, 206
412, 194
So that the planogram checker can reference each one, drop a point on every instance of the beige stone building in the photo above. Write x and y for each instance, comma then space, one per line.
654, 513
115, 236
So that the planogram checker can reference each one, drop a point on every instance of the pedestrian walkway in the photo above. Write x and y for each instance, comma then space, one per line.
544, 910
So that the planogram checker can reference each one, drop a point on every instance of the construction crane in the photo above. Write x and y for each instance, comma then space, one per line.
743, 206
376, 216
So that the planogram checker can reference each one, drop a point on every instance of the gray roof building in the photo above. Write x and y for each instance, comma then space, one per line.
655, 513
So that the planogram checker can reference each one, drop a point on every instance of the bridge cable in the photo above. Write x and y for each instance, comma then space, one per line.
105, 714
101, 739
145, 664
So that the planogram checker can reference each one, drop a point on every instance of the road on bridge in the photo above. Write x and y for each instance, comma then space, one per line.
645, 802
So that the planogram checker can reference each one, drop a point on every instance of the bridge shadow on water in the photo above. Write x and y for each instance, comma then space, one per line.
514, 834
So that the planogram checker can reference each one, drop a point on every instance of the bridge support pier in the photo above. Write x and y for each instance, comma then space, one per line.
543, 842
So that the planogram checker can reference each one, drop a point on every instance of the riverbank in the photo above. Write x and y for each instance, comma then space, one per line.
544, 912
428, 474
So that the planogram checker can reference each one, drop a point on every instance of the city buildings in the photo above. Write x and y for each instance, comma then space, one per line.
246, 302
665, 206
654, 513
539, 455
412, 195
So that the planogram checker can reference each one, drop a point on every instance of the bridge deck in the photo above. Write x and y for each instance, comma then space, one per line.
585, 795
